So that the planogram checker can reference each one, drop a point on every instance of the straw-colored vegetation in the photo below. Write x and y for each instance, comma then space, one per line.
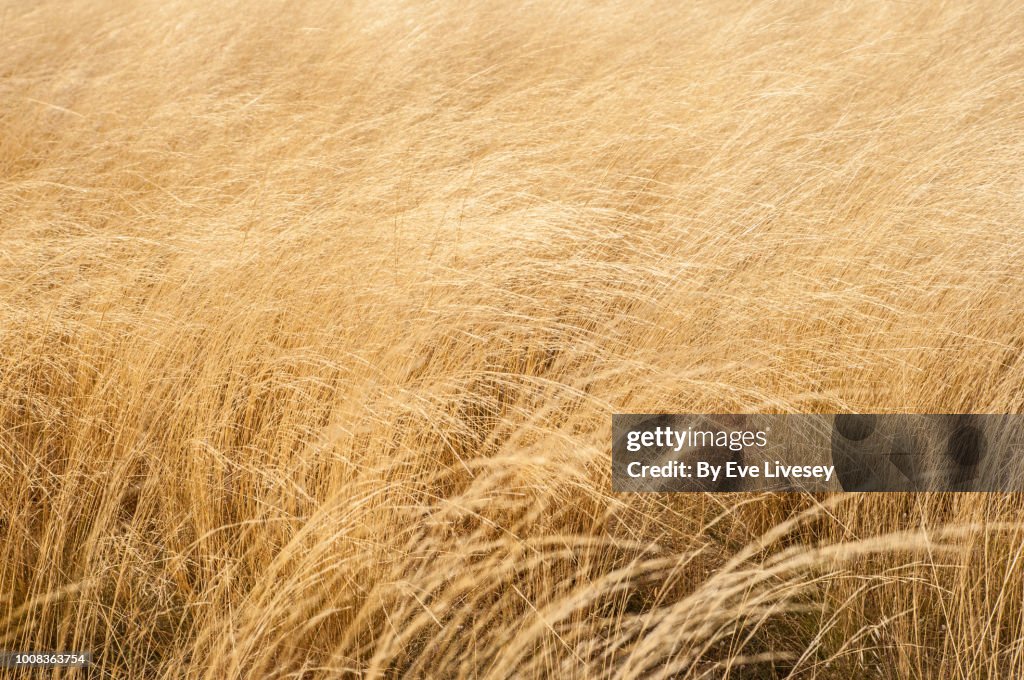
313, 316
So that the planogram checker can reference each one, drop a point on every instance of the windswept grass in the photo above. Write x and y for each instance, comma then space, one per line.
313, 316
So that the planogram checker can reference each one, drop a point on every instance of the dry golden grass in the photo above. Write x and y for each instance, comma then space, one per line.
313, 316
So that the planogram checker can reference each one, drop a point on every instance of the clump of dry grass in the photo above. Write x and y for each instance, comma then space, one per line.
312, 317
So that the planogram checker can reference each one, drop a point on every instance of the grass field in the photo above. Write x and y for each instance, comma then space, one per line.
313, 316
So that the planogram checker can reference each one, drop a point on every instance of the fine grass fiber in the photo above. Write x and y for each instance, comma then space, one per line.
313, 316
